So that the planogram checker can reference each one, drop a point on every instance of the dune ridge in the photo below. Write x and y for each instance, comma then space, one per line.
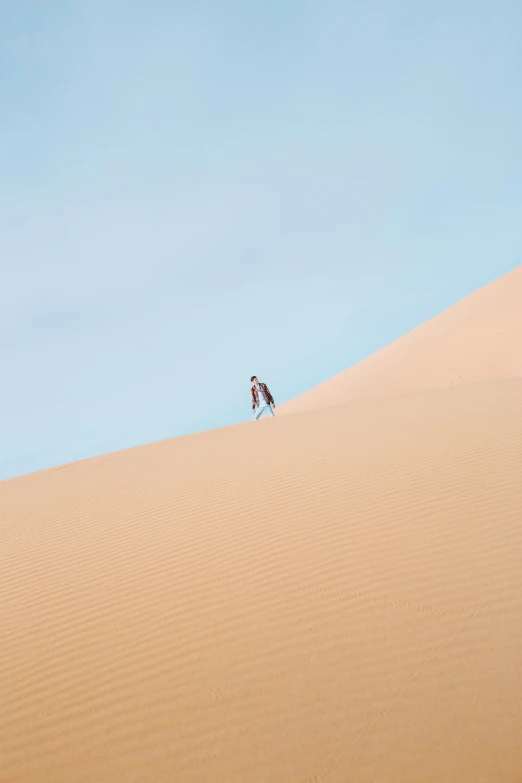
477, 339
329, 596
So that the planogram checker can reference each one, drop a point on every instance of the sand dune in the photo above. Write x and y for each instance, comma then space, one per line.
331, 596
477, 339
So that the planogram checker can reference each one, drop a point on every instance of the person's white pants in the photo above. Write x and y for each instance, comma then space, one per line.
258, 412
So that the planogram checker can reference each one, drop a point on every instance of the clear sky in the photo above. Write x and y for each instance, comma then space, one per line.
193, 192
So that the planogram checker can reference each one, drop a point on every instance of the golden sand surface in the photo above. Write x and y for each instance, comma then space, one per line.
331, 596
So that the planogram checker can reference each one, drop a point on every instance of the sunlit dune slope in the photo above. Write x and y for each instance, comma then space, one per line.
331, 596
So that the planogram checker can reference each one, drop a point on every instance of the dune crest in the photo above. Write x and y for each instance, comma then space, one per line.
477, 339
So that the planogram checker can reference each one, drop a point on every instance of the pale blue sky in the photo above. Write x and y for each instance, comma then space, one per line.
192, 192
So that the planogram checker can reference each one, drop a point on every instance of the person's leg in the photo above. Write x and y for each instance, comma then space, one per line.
264, 409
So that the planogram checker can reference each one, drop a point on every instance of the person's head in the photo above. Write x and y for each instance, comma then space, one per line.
254, 380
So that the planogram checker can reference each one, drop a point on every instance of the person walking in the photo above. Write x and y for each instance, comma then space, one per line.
262, 400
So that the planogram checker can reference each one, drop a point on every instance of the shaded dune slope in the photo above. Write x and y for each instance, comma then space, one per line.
475, 340
330, 596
